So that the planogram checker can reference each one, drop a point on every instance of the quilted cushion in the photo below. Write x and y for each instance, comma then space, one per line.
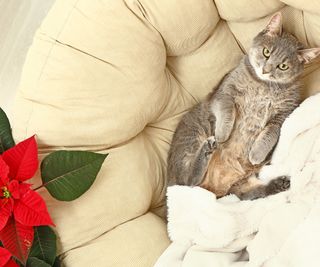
116, 76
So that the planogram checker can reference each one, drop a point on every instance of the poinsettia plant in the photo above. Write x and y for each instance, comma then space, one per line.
26, 236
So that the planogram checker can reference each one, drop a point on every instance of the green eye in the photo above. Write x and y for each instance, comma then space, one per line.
266, 52
283, 66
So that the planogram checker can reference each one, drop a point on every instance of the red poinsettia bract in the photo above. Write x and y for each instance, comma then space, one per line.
6, 260
21, 208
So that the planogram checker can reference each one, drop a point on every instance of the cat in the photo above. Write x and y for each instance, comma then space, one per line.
228, 137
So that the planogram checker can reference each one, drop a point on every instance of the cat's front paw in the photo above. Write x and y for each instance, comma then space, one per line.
210, 144
221, 136
257, 156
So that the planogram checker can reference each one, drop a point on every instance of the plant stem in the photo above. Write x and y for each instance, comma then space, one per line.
37, 188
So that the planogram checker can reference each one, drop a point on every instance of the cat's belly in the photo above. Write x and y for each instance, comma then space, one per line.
252, 115
230, 161
228, 166
244, 134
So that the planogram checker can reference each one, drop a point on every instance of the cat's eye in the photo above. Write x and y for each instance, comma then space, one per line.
283, 66
266, 52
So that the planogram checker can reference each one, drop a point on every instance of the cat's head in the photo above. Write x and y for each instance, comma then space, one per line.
278, 56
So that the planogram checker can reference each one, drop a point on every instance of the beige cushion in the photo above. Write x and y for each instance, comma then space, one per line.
116, 76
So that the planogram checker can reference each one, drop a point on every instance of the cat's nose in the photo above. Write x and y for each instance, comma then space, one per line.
266, 69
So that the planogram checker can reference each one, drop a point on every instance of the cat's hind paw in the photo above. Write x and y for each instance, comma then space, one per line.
278, 185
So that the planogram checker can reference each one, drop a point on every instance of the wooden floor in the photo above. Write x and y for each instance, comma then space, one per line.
18, 21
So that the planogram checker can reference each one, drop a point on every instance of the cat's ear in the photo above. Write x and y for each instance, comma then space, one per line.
274, 26
306, 56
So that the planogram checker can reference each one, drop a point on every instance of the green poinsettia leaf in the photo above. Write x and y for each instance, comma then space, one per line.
6, 139
35, 262
44, 245
69, 174
57, 262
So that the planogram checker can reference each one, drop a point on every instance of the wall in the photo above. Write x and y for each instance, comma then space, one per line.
19, 20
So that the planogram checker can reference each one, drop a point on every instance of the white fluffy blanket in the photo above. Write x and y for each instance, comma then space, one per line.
279, 231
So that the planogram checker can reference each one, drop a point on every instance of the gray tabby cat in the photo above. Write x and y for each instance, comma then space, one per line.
228, 137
